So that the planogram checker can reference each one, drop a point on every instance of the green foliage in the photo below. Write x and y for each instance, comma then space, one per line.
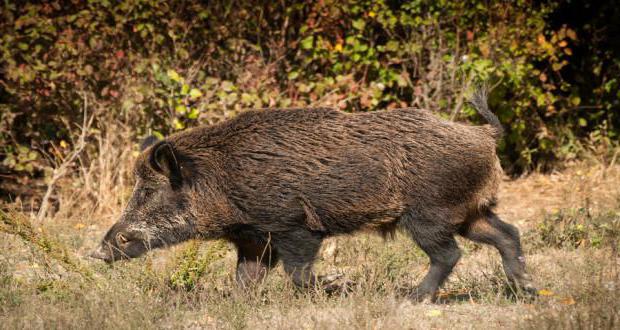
9, 297
164, 66
193, 264
575, 228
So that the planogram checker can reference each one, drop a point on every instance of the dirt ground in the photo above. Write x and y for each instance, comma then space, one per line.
570, 225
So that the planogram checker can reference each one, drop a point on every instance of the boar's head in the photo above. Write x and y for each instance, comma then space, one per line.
160, 211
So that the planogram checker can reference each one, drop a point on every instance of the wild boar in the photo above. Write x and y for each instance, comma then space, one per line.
277, 182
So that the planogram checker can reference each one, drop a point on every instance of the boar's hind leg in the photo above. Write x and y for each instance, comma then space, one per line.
438, 242
254, 259
490, 229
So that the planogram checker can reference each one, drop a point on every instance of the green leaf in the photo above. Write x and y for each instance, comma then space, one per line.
392, 45
583, 122
184, 89
178, 124
307, 42
193, 113
180, 109
293, 74
359, 24
158, 135
246, 98
195, 93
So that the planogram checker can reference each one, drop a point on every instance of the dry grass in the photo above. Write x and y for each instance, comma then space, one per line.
46, 280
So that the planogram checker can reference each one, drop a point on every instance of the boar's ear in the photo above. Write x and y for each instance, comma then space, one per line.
148, 141
164, 161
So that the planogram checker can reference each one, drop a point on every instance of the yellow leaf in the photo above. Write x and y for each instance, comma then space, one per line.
180, 108
178, 124
174, 75
195, 93
434, 313
545, 292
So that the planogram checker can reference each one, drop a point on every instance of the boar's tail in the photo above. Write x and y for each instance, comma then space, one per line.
479, 102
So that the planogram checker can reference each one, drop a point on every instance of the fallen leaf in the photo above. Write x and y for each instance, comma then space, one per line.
434, 313
567, 301
545, 292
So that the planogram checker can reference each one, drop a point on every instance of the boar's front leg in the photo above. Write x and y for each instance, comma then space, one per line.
298, 250
255, 256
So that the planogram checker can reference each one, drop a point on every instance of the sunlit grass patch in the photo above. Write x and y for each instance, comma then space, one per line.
577, 227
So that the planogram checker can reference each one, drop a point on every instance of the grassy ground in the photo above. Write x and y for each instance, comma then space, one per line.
570, 223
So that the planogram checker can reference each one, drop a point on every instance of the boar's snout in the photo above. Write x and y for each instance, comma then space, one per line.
121, 242
100, 253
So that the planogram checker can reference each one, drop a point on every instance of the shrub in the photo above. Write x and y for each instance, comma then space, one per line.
163, 66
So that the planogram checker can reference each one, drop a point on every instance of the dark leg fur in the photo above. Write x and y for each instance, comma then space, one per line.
438, 242
490, 229
254, 259
297, 250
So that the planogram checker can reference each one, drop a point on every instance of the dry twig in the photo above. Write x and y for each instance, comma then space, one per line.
62, 169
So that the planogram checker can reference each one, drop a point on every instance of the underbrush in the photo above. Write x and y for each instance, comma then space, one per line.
578, 227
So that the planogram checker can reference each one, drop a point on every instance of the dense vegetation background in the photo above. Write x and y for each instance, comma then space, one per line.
78, 74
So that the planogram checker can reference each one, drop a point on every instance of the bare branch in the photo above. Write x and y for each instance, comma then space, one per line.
61, 170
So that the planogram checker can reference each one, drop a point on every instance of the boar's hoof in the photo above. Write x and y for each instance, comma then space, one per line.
529, 289
331, 284
420, 295
330, 278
